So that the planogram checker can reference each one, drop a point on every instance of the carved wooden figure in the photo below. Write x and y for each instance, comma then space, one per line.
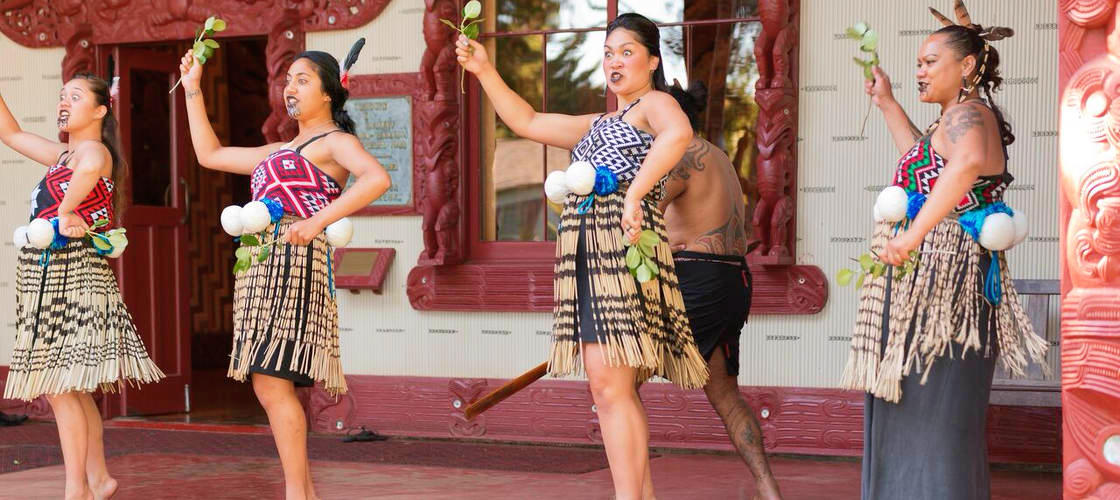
1089, 173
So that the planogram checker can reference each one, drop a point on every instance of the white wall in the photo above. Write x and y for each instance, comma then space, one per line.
30, 80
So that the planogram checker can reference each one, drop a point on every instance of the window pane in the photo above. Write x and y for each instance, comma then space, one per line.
675, 11
513, 167
536, 15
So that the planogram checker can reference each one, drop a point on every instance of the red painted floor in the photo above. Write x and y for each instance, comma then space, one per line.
156, 464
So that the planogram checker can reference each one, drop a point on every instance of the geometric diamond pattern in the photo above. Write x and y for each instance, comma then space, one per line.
48, 195
617, 145
919, 169
301, 187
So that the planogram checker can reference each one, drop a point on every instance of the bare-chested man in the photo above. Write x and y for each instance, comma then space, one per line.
706, 215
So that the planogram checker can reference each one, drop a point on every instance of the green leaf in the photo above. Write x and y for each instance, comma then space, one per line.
241, 253
471, 31
117, 238
859, 282
100, 242
853, 34
867, 74
209, 24
476, 21
249, 240
860, 27
207, 53
844, 277
240, 266
100, 223
878, 269
199, 48
219, 25
870, 41
211, 43
644, 274
449, 23
865, 262
649, 238
633, 258
265, 252
472, 9
651, 265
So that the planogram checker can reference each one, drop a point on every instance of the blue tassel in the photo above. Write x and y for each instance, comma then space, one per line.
915, 200
45, 258
993, 289
972, 220
605, 181
59, 240
330, 270
275, 231
585, 205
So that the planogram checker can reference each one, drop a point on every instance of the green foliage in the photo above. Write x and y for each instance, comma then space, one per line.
204, 49
468, 27
244, 253
640, 257
868, 42
871, 266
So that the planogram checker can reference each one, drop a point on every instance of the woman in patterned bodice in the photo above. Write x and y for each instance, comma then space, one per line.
624, 329
926, 342
74, 334
285, 314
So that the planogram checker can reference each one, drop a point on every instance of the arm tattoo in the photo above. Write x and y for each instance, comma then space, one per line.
191, 93
960, 122
695, 158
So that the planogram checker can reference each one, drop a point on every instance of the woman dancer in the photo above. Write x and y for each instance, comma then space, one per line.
285, 314
624, 329
925, 345
73, 331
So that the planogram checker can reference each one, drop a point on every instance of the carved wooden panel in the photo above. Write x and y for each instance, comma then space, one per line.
1089, 173
813, 421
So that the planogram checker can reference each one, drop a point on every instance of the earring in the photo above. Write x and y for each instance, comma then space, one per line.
966, 89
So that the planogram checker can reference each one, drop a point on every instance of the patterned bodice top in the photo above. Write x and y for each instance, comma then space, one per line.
291, 179
617, 145
919, 169
48, 195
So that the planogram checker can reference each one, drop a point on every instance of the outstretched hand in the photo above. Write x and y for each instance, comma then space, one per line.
191, 71
880, 88
471, 55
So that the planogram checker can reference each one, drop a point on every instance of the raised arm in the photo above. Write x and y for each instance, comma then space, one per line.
554, 129
91, 161
963, 130
209, 151
672, 133
36, 147
371, 181
903, 131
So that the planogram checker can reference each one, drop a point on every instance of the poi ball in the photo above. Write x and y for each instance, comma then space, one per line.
998, 232
340, 232
255, 217
892, 203
556, 187
40, 233
875, 212
1021, 229
19, 237
231, 220
580, 178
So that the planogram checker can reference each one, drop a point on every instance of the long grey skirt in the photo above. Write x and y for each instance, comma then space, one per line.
932, 444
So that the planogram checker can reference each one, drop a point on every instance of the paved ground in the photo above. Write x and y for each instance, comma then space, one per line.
161, 463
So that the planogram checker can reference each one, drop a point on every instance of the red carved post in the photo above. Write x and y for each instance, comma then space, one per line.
285, 40
1090, 205
776, 94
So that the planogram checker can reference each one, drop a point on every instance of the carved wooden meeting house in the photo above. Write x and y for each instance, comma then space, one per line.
447, 289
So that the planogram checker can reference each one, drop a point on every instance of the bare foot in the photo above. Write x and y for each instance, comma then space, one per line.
105, 489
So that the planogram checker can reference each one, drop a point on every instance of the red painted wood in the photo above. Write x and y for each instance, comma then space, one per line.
1089, 174
153, 272
39, 408
49, 23
814, 421
377, 273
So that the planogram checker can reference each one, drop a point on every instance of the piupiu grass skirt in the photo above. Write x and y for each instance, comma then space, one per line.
73, 331
939, 310
285, 318
639, 325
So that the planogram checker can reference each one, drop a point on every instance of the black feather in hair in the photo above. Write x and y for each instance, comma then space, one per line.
352, 57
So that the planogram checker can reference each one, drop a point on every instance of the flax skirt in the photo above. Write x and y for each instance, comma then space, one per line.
73, 331
932, 444
285, 318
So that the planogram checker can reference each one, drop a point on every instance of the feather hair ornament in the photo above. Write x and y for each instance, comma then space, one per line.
351, 58
989, 34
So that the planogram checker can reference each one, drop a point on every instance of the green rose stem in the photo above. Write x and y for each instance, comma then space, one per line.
470, 30
868, 42
204, 49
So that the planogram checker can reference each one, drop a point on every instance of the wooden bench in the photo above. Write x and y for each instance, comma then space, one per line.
1042, 301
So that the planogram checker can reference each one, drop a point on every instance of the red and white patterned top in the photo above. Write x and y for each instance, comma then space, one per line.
291, 179
48, 195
